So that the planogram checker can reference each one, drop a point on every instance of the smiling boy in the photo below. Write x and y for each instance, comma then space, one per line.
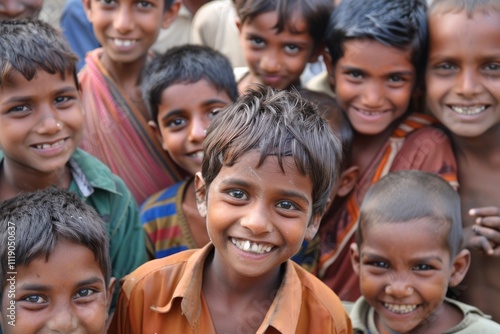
268, 168
408, 252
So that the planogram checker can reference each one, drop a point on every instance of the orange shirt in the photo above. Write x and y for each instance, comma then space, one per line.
165, 296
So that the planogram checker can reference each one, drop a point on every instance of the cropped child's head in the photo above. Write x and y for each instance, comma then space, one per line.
184, 89
41, 123
408, 249
279, 37
20, 9
463, 75
55, 264
270, 161
126, 29
378, 50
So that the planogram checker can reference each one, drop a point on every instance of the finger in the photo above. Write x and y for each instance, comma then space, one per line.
484, 211
489, 233
490, 221
480, 243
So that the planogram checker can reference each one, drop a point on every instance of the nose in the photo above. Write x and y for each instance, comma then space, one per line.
468, 84
123, 21
48, 123
64, 321
257, 219
11, 8
270, 62
399, 287
373, 95
197, 131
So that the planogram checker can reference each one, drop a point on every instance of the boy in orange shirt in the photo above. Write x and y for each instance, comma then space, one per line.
463, 92
268, 168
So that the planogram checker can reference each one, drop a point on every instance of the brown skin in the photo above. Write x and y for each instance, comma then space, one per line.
195, 221
478, 165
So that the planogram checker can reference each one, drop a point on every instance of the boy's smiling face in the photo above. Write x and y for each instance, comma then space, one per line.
405, 270
20, 9
374, 84
64, 294
126, 29
183, 118
40, 122
257, 217
276, 60
463, 73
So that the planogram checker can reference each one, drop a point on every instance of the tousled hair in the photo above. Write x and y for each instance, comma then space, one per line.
338, 121
406, 196
41, 219
397, 23
469, 6
186, 64
28, 46
274, 123
314, 12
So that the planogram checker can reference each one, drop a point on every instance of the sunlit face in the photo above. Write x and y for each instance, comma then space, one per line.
64, 294
40, 122
257, 217
463, 73
276, 60
404, 270
126, 29
20, 9
184, 114
374, 84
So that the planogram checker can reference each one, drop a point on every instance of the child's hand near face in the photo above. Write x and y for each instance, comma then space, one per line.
484, 235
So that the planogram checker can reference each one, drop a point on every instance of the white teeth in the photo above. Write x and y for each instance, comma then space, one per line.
400, 309
370, 113
45, 146
123, 42
248, 246
468, 110
197, 155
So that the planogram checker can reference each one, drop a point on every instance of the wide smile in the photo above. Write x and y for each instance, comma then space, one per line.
196, 155
252, 247
123, 43
371, 112
468, 110
400, 308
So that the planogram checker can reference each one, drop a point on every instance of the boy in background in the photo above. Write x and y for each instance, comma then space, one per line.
55, 267
184, 89
463, 92
268, 168
116, 119
378, 55
278, 39
41, 124
408, 252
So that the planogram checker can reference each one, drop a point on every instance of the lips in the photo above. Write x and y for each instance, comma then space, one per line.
468, 109
400, 308
252, 247
370, 112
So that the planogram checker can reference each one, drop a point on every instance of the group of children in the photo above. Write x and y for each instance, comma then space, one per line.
237, 186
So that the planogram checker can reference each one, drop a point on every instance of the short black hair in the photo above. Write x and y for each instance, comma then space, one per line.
186, 64
32, 223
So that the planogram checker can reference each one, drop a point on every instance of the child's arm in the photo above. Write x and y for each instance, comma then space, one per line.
485, 233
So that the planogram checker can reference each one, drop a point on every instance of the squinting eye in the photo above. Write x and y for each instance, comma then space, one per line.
84, 293
35, 299
395, 78
422, 267
144, 4
493, 67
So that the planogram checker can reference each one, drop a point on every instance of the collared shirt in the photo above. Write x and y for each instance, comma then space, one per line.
165, 296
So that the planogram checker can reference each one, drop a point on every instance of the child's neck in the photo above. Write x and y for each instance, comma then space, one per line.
485, 147
16, 179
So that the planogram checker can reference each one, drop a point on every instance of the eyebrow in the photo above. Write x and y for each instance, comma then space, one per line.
44, 288
205, 103
24, 99
425, 259
353, 68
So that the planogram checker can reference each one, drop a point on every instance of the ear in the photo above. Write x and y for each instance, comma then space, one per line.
355, 258
313, 227
86, 8
201, 194
348, 179
237, 21
460, 266
111, 290
156, 130
170, 14
327, 59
